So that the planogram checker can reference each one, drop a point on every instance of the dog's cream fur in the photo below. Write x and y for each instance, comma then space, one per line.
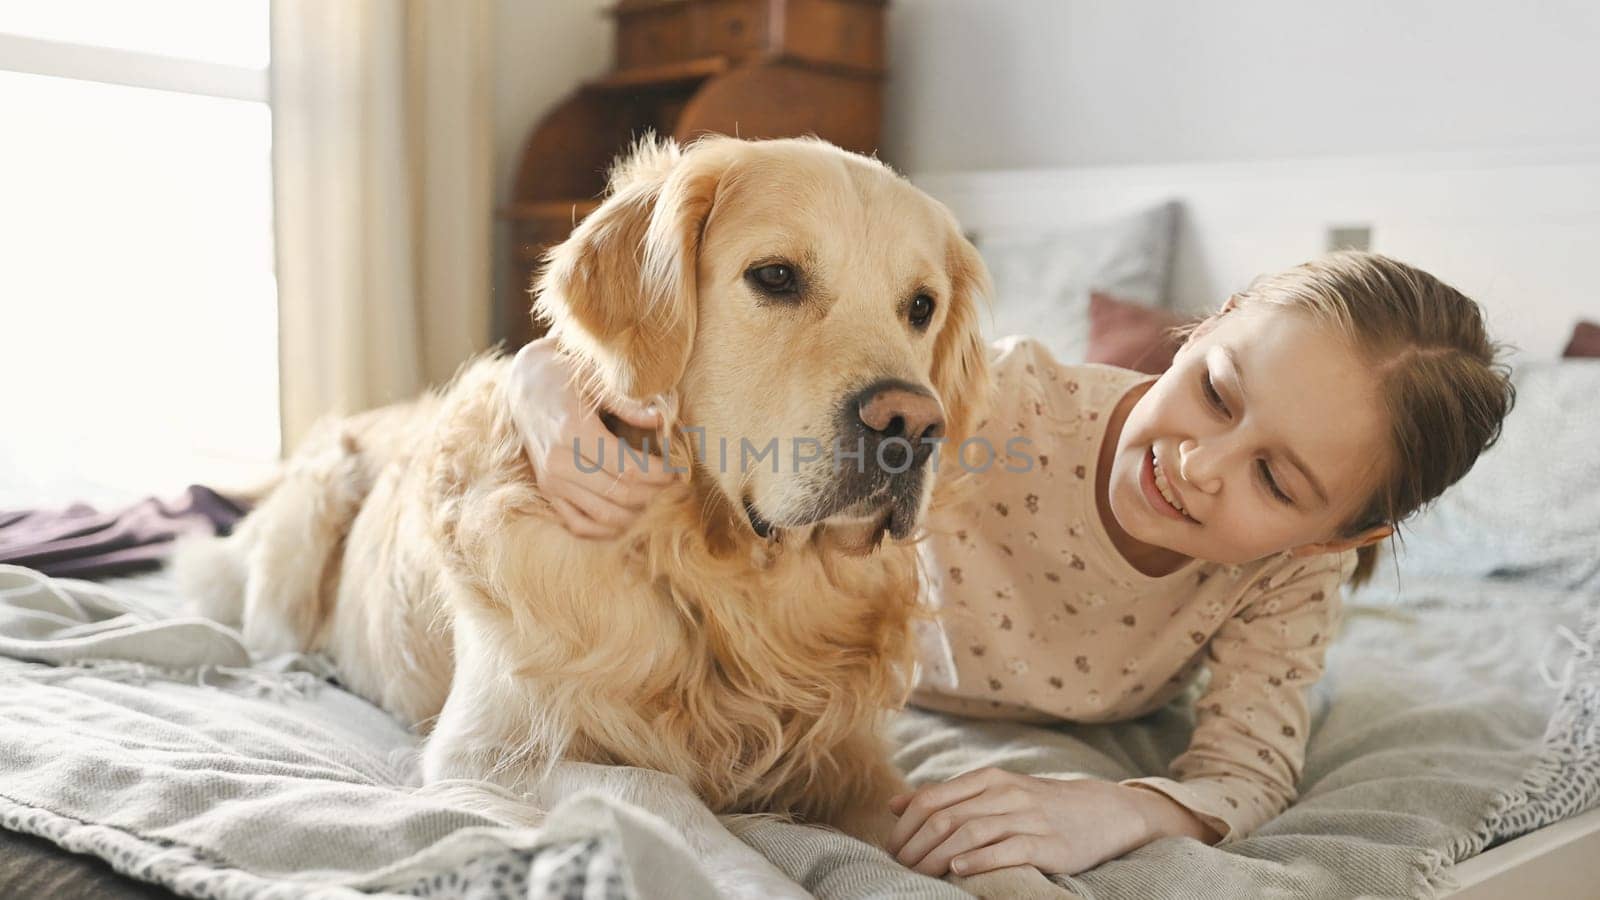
412, 545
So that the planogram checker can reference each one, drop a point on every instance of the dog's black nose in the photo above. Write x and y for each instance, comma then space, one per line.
897, 409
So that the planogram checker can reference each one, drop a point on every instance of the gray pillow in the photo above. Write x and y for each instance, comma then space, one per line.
1529, 510
1043, 280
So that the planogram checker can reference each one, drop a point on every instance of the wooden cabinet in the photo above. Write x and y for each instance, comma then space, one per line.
751, 68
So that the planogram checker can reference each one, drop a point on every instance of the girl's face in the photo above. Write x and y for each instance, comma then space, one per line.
1265, 435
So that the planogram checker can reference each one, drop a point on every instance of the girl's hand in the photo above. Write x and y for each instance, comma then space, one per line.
992, 819
601, 499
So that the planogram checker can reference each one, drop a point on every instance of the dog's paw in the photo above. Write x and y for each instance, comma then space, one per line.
1014, 883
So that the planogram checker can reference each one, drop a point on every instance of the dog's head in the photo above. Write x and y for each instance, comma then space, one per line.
808, 309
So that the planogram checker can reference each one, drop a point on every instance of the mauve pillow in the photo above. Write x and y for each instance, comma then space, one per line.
1585, 342
1131, 335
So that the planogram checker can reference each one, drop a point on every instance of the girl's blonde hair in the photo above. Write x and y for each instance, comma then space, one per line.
1442, 382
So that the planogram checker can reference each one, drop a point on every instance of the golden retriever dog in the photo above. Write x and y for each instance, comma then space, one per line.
752, 629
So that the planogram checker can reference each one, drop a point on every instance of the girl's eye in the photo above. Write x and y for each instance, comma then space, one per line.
1214, 398
1272, 485
774, 278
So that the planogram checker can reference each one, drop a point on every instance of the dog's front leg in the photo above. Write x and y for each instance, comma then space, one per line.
866, 782
487, 731
483, 752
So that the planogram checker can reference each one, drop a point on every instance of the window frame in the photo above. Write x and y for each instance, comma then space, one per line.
111, 65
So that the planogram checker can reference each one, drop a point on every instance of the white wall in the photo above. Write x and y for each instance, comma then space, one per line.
1515, 231
995, 84
543, 50
1082, 85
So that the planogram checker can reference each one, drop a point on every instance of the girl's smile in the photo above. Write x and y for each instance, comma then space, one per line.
1158, 490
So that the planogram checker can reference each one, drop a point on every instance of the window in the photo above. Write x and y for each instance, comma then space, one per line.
138, 308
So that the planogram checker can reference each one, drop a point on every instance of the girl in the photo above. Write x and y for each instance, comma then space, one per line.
1202, 520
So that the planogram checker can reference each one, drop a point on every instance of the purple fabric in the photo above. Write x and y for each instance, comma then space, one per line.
81, 542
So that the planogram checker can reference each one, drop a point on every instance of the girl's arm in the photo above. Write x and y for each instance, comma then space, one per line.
576, 461
1249, 741
1166, 817
1240, 769
993, 819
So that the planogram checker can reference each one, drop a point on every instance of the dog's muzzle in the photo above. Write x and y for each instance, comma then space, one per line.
884, 436
887, 431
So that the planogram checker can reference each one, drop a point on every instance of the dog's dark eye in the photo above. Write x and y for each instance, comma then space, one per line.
774, 278
921, 310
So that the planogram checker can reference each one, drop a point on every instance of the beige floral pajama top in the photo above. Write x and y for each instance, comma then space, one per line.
1041, 619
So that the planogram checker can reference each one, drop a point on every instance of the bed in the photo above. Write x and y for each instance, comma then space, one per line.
152, 743
1455, 747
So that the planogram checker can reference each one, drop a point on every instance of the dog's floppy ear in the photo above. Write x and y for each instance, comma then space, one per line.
620, 292
960, 357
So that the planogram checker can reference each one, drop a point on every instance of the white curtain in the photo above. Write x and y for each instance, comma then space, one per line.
383, 181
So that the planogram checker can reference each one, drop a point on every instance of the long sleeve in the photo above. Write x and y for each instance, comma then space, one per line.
1248, 747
